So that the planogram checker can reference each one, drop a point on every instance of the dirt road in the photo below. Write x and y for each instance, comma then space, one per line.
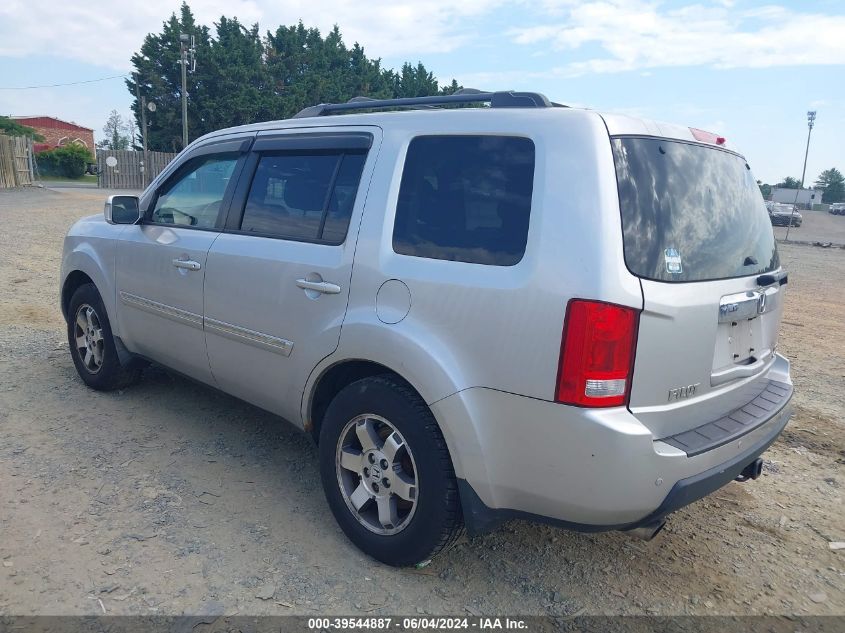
171, 498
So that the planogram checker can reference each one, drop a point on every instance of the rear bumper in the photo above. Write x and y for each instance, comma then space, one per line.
698, 486
587, 470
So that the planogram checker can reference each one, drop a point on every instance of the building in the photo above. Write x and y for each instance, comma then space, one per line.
57, 132
806, 197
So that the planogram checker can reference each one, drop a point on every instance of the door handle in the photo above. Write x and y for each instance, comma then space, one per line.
319, 286
187, 264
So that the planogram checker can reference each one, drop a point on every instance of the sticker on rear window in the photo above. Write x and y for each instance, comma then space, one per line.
673, 261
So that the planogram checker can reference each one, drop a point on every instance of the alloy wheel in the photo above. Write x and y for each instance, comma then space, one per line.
376, 474
88, 335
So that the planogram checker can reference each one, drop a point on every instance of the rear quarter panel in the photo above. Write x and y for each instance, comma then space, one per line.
472, 325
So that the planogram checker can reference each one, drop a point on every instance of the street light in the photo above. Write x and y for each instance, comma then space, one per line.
811, 120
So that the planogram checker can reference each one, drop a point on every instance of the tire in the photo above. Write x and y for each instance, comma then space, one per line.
92, 345
424, 516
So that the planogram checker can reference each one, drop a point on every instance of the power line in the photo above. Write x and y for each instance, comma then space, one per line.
72, 83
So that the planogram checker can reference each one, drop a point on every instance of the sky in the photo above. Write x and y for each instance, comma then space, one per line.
747, 70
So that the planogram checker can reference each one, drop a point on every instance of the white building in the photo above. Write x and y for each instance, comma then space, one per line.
806, 197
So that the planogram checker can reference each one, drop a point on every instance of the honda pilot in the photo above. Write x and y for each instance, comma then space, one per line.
517, 310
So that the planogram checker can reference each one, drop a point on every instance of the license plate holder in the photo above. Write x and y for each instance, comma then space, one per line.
741, 341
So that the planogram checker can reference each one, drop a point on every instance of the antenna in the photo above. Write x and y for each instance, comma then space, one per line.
192, 52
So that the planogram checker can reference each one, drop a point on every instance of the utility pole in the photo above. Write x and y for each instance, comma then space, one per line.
142, 104
144, 125
184, 38
811, 119
188, 55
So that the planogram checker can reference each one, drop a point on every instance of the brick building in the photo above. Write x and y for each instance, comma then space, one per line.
57, 132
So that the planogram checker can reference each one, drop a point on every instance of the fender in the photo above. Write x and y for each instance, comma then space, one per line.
93, 256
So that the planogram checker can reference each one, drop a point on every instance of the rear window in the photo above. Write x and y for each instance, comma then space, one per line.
690, 213
465, 199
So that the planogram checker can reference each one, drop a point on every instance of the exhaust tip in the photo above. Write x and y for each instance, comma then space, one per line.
648, 531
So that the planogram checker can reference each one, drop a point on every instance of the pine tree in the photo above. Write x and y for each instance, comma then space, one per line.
159, 78
242, 77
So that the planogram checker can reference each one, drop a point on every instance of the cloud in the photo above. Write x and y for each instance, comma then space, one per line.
637, 35
597, 36
107, 35
94, 33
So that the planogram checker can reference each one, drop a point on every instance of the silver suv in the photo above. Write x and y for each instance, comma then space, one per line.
479, 313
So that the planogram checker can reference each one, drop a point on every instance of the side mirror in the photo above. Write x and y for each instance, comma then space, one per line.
122, 210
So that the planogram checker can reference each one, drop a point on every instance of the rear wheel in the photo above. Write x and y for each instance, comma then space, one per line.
387, 474
92, 346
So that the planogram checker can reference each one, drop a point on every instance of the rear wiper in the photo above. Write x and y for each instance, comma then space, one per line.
750, 261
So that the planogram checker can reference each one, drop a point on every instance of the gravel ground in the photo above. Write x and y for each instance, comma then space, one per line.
171, 498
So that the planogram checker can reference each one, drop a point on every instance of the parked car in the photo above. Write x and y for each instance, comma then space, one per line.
784, 214
837, 208
478, 314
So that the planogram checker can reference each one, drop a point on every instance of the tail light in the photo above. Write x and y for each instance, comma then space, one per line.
596, 354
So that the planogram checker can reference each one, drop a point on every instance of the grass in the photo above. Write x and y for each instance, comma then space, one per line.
86, 178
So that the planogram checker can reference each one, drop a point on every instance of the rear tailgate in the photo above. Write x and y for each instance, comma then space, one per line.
697, 234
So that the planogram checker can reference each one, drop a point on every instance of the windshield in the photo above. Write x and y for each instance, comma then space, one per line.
690, 213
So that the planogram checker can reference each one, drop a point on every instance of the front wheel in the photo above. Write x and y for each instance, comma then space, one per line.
387, 474
91, 343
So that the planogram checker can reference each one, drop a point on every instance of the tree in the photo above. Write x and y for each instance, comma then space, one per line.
243, 77
789, 183
231, 79
414, 81
116, 130
765, 188
11, 127
158, 77
451, 89
131, 133
832, 183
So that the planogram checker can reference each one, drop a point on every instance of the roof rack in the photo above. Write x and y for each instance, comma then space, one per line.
504, 99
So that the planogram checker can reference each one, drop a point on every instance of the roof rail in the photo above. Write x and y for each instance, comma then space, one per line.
505, 99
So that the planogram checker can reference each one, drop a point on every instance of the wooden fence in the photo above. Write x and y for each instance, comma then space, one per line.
15, 161
127, 171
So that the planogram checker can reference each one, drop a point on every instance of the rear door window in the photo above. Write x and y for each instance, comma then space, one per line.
690, 212
465, 199
304, 196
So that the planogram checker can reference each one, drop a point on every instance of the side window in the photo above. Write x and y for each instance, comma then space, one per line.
465, 199
303, 195
194, 196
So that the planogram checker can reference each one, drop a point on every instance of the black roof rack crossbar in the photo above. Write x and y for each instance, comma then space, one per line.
507, 99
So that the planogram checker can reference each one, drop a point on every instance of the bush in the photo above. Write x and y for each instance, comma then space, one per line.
69, 161
13, 128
